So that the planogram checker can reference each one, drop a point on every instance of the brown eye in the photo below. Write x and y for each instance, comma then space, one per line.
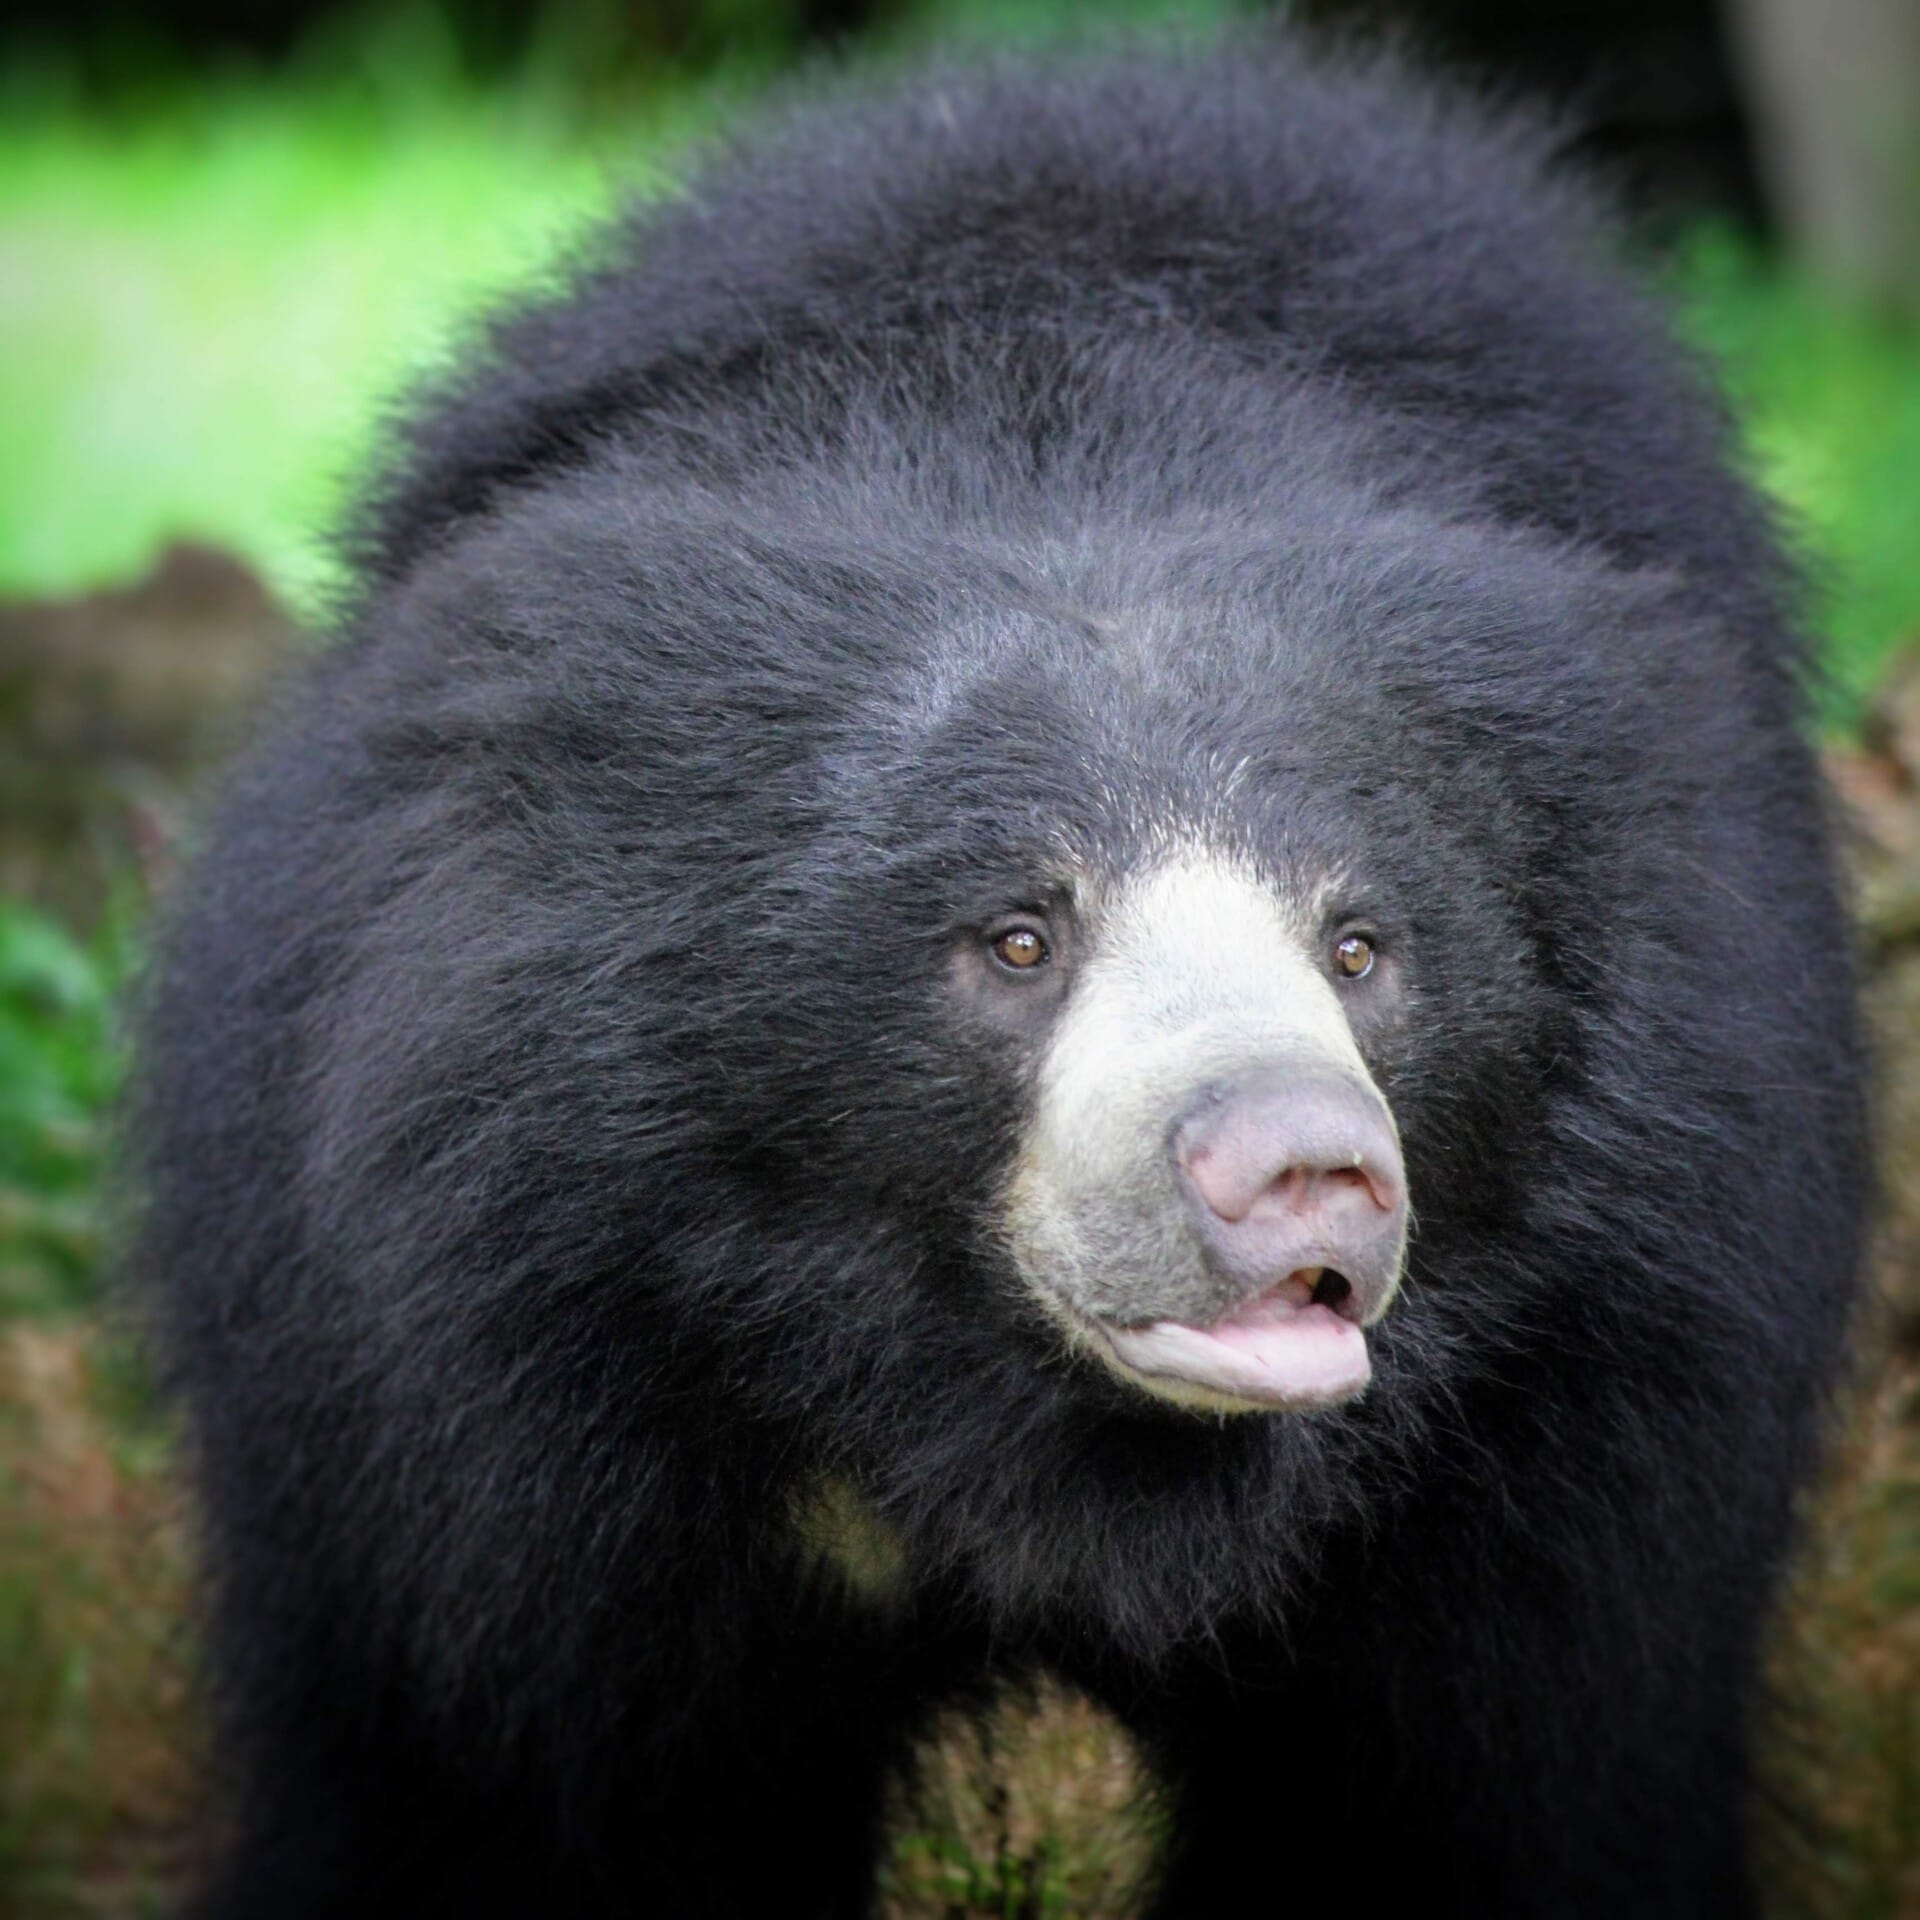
1021, 949
1354, 956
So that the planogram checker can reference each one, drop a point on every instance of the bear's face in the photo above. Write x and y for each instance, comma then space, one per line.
1209, 1196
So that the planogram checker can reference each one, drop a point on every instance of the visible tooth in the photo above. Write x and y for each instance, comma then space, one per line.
1309, 1277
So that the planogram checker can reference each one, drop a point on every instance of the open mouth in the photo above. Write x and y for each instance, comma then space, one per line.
1295, 1347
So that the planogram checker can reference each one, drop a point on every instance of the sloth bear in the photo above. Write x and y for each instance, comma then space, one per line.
1055, 907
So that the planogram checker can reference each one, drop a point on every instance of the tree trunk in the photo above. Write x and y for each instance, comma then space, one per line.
1835, 86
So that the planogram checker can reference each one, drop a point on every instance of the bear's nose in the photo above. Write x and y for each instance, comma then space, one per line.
1297, 1176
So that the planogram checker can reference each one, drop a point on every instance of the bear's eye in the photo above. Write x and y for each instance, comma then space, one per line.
1354, 956
1021, 949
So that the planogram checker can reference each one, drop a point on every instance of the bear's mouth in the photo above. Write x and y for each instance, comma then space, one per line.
1295, 1347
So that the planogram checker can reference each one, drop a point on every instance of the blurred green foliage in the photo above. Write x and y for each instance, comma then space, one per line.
202, 307
58, 1071
1829, 402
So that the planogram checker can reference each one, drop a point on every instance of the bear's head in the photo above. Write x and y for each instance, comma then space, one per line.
995, 1008
1165, 955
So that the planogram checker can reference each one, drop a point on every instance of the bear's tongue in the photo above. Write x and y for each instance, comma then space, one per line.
1271, 1351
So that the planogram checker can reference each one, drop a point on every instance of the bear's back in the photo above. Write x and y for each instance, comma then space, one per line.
1255, 206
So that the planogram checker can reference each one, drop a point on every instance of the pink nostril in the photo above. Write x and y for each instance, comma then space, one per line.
1331, 1191
1219, 1182
1360, 1182
1237, 1186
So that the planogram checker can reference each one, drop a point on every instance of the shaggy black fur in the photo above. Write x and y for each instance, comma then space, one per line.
561, 1147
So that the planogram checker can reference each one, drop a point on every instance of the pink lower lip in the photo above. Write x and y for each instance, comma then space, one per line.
1273, 1351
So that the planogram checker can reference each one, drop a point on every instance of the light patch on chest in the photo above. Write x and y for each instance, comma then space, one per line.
841, 1535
